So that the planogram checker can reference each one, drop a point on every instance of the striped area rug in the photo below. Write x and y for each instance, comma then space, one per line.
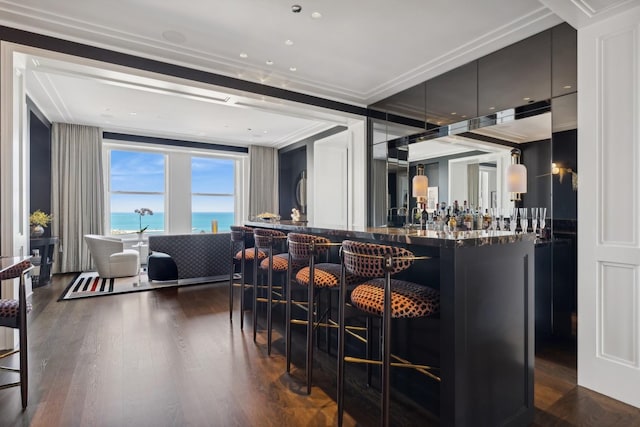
89, 284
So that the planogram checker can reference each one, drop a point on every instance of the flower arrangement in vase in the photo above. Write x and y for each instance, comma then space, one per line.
38, 220
142, 212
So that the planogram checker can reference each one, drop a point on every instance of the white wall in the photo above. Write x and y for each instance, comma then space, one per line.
337, 179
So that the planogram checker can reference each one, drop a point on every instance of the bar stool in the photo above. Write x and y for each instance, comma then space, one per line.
13, 314
241, 236
304, 249
269, 241
383, 297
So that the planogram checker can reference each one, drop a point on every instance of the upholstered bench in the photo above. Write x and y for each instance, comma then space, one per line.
195, 256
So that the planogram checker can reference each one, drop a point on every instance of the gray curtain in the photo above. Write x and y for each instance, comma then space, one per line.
77, 192
263, 180
473, 184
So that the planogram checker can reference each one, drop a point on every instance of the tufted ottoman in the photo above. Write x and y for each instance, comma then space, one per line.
161, 266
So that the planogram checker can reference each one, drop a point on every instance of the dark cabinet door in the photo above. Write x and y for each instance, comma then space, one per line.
516, 75
564, 60
453, 96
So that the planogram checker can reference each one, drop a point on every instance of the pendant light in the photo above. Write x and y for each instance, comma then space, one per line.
516, 175
420, 184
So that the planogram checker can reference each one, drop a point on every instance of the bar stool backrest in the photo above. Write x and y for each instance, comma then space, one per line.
240, 233
370, 259
299, 245
267, 238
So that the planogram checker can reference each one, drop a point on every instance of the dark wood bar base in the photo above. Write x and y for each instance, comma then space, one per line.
486, 322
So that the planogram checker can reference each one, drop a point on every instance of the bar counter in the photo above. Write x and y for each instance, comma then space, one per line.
486, 321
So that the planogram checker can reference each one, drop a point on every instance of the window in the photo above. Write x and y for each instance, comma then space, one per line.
187, 189
136, 180
212, 193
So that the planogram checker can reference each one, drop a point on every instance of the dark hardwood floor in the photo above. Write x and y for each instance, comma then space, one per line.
171, 358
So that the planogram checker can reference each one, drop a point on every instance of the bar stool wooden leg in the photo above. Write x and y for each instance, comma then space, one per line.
231, 273
288, 316
269, 300
255, 292
341, 330
242, 288
310, 323
386, 351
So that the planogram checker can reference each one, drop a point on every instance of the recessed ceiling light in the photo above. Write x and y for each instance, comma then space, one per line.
174, 36
265, 131
133, 113
454, 113
567, 87
269, 62
243, 55
292, 68
316, 15
288, 42
526, 98
463, 116
492, 108
296, 8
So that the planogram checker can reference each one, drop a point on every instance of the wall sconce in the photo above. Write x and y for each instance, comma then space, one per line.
420, 184
561, 172
516, 176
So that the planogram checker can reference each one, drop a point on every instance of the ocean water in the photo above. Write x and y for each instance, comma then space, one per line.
129, 222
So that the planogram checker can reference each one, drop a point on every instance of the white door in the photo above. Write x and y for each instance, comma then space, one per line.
609, 206
330, 182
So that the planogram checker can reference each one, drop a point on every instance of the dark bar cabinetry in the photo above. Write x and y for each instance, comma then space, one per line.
486, 322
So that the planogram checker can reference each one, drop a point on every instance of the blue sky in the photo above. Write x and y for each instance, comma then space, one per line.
143, 171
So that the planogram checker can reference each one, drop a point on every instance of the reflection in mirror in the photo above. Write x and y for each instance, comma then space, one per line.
468, 165
389, 172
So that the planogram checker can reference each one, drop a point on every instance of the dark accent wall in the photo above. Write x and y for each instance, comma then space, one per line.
292, 164
565, 155
40, 161
536, 156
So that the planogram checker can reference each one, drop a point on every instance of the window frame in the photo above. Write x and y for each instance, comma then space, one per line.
172, 223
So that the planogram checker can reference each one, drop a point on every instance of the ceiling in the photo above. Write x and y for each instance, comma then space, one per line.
357, 52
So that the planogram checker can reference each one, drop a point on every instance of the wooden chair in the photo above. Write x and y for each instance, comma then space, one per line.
271, 241
383, 297
305, 249
241, 251
13, 314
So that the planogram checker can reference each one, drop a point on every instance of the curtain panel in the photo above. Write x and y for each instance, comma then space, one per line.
77, 192
263, 180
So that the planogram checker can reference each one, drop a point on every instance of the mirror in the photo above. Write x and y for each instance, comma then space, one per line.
466, 161
390, 172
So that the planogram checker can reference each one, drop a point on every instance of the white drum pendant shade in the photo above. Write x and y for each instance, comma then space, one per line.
516, 178
420, 185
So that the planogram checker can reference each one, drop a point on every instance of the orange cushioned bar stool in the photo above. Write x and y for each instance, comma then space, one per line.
13, 314
304, 249
242, 238
384, 297
271, 241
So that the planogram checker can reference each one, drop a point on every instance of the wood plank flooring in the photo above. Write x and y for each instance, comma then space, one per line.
171, 358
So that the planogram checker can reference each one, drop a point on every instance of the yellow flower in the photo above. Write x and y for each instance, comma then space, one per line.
39, 218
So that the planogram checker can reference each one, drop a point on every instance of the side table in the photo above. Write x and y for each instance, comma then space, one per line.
46, 247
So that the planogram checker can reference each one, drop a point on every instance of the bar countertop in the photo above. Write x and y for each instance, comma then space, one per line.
404, 235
